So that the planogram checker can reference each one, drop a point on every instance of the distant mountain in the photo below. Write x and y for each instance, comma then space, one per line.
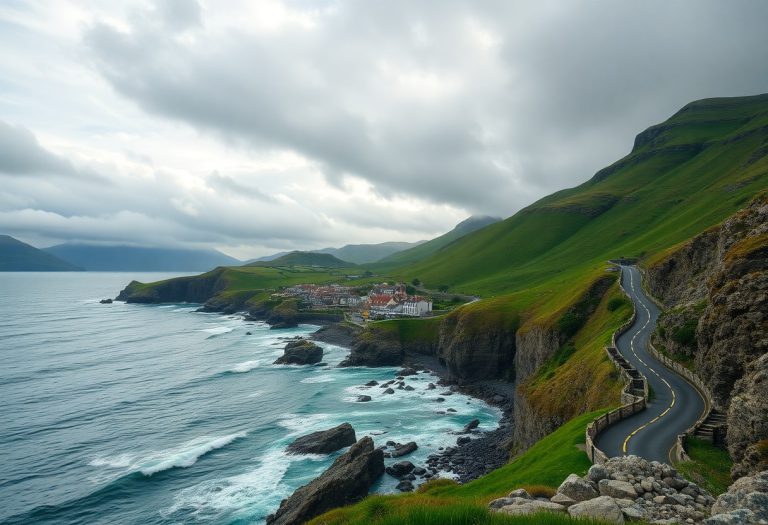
132, 258
17, 256
324, 260
417, 253
368, 253
267, 257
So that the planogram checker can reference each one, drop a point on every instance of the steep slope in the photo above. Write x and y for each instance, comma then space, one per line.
322, 260
17, 256
368, 253
423, 250
132, 258
681, 177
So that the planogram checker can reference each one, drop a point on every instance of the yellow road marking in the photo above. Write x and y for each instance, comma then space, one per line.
625, 445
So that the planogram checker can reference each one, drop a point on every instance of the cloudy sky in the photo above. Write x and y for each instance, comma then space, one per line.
256, 126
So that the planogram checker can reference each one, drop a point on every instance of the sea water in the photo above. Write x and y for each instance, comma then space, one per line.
118, 413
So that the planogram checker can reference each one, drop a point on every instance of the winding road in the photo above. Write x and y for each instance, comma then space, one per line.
675, 404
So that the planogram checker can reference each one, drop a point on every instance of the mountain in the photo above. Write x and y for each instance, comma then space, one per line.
368, 253
323, 260
681, 177
267, 257
131, 258
17, 256
425, 249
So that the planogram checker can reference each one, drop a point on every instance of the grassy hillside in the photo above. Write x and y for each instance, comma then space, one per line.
543, 467
428, 248
311, 259
681, 177
368, 253
17, 256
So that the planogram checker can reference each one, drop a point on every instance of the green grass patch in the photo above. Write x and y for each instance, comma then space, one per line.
710, 466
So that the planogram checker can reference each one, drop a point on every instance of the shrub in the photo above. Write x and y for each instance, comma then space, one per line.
615, 303
540, 491
686, 334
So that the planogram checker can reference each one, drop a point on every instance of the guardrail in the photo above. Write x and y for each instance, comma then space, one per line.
678, 452
634, 395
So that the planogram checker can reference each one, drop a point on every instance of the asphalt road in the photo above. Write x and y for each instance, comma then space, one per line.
675, 405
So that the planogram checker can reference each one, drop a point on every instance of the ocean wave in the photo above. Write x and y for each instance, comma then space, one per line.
245, 366
326, 378
183, 456
217, 330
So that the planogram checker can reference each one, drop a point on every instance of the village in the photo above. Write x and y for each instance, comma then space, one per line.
382, 301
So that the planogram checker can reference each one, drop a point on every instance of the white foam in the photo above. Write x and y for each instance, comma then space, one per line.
262, 487
245, 366
188, 454
217, 330
326, 378
304, 422
183, 456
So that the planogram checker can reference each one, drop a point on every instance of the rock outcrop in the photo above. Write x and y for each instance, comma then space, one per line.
346, 481
324, 441
193, 289
300, 352
745, 502
626, 488
716, 287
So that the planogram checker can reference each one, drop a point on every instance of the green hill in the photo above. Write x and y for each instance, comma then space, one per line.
17, 256
681, 177
426, 249
321, 260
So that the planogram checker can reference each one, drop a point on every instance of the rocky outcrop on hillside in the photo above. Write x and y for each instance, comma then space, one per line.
717, 288
745, 502
626, 488
193, 289
346, 481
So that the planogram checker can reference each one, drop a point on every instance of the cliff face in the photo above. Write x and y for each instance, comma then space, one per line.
717, 285
193, 289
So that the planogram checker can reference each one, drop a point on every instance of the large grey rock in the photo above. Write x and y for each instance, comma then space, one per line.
577, 489
597, 472
405, 449
750, 492
500, 502
301, 352
602, 508
324, 441
617, 489
346, 481
734, 517
523, 506
562, 499
519, 493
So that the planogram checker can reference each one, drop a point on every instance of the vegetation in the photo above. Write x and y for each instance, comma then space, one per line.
16, 256
710, 466
542, 468
686, 333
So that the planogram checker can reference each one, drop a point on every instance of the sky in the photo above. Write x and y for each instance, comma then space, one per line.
260, 126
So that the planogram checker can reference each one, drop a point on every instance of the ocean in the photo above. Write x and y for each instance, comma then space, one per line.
158, 414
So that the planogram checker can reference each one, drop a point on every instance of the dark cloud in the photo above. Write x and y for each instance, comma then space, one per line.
21, 154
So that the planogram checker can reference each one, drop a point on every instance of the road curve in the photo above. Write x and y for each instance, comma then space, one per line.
675, 404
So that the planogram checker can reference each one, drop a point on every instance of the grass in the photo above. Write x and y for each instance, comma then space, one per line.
541, 469
710, 466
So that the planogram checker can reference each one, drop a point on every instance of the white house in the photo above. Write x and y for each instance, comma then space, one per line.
416, 306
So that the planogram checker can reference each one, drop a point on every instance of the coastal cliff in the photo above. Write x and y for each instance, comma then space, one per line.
716, 289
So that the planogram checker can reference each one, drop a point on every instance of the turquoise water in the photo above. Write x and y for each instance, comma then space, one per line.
158, 414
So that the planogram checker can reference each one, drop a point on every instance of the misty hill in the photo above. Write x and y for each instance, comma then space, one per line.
368, 253
17, 256
323, 260
422, 250
132, 258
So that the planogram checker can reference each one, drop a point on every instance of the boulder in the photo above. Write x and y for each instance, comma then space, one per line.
747, 493
372, 383
398, 470
523, 506
347, 481
734, 517
301, 352
405, 486
324, 441
406, 372
363, 399
577, 489
597, 472
500, 502
106, 301
617, 489
562, 499
471, 425
519, 493
602, 508
404, 450
389, 391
